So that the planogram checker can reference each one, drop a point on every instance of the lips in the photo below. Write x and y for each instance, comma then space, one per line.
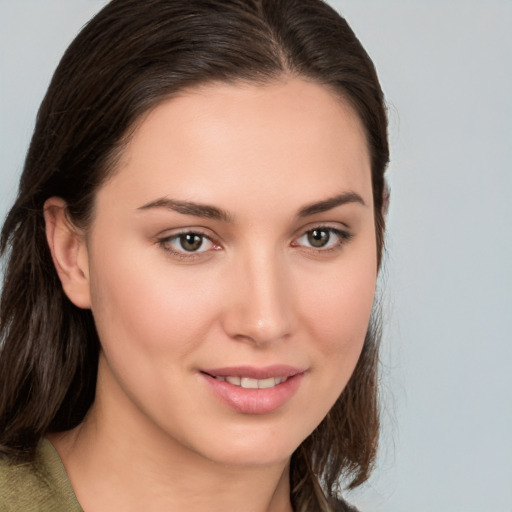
252, 390
248, 383
252, 372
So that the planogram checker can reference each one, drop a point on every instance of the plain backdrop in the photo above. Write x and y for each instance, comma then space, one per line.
446, 68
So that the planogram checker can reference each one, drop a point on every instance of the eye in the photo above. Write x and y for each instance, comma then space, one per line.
323, 238
187, 243
191, 242
318, 237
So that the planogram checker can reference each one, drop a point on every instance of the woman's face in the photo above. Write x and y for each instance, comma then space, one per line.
231, 265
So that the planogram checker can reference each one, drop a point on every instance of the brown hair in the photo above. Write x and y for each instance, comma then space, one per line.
131, 56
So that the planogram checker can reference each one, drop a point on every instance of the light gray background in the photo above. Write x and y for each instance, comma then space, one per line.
446, 68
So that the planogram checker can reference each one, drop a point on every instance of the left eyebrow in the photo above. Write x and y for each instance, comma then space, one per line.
329, 204
189, 208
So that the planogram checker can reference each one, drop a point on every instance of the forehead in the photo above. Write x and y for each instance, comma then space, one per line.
286, 139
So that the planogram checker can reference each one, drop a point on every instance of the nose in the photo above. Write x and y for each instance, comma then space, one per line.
260, 309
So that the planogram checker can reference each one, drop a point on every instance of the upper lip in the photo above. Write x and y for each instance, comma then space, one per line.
254, 372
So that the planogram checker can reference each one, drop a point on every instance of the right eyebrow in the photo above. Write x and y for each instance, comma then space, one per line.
189, 208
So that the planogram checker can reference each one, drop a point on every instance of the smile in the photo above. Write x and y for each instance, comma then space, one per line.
252, 390
249, 383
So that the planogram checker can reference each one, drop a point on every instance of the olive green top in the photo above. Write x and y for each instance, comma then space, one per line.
41, 486
44, 486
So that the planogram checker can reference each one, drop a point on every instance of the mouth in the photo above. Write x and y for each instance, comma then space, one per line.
253, 390
248, 383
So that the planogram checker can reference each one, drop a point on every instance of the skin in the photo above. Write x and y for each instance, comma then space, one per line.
256, 293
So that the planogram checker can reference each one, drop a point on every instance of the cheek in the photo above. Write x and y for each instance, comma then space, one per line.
338, 307
336, 310
140, 300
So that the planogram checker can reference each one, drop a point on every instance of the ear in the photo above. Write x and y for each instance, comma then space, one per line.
69, 252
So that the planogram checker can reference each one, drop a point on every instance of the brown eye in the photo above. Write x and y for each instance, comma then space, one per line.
323, 239
191, 241
318, 237
188, 244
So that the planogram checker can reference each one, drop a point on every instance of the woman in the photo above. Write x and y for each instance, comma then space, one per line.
191, 265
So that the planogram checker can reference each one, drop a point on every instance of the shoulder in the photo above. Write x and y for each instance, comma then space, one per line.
38, 485
22, 487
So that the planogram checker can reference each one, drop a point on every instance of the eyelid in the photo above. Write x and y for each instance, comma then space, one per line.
163, 240
344, 236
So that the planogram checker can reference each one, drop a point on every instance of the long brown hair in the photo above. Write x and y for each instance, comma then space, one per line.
130, 57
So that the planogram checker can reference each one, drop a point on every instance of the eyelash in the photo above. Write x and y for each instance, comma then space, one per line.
342, 238
183, 254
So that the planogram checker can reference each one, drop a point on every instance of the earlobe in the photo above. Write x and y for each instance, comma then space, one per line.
69, 252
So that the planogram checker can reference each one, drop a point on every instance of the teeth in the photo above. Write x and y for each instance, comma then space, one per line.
248, 383
267, 383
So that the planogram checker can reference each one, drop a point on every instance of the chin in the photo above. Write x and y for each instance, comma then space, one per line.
252, 450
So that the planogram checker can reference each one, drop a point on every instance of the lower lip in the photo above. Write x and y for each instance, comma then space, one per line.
254, 401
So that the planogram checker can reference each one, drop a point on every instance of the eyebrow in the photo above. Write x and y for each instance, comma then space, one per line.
190, 208
215, 213
329, 204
